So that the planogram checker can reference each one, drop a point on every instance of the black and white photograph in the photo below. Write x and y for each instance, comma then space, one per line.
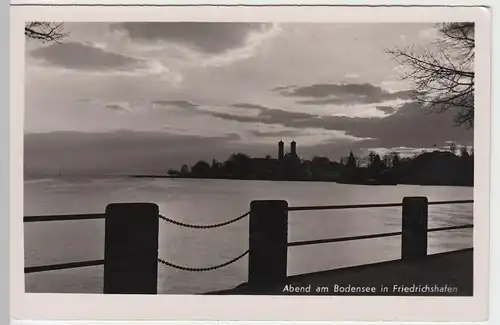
249, 158
252, 158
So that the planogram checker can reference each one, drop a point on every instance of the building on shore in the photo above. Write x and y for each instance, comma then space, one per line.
292, 155
281, 150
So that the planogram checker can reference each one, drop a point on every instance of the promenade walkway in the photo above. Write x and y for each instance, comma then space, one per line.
445, 274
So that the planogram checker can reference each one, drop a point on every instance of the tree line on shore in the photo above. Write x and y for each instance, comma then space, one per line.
454, 166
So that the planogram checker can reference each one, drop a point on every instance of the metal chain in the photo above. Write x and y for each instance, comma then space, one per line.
225, 223
203, 269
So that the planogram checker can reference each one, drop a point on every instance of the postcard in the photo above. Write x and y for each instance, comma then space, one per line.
315, 163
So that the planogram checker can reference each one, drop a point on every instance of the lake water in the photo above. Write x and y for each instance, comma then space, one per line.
212, 201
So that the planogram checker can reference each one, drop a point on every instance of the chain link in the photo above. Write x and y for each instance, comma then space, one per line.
203, 269
225, 223
210, 268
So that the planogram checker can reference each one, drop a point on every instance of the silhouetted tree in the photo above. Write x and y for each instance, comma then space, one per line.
320, 166
375, 164
387, 160
172, 172
237, 165
45, 31
320, 162
216, 169
184, 169
378, 161
453, 147
239, 158
351, 161
395, 159
371, 158
464, 152
443, 73
215, 164
201, 169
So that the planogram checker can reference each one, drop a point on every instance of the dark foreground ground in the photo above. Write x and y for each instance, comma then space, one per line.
446, 274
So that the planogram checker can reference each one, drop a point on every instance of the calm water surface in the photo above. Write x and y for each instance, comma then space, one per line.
212, 201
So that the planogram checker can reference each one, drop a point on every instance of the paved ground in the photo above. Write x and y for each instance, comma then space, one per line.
446, 274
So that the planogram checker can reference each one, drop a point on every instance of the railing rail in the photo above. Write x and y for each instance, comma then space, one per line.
64, 217
360, 237
451, 228
450, 202
62, 266
342, 239
90, 216
364, 206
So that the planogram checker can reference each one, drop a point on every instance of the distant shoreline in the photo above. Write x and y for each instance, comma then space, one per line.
151, 176
292, 180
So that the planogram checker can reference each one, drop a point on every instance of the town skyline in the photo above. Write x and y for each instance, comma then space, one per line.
452, 167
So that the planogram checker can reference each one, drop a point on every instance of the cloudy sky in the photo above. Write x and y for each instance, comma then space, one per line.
143, 97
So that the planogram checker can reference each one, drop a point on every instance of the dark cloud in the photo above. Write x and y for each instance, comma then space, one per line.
250, 106
80, 56
268, 116
176, 103
272, 114
125, 152
116, 107
321, 94
283, 133
387, 109
282, 88
266, 113
209, 37
410, 126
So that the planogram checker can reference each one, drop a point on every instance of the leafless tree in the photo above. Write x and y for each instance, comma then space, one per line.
395, 159
45, 31
453, 147
387, 160
443, 72
463, 151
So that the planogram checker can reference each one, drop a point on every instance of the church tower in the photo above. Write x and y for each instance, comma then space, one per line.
293, 148
281, 150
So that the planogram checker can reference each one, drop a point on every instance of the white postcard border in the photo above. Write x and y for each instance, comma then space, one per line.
189, 307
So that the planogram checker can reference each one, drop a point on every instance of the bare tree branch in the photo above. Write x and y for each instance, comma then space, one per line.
45, 31
443, 73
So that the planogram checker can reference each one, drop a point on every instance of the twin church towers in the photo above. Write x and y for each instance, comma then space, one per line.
281, 150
